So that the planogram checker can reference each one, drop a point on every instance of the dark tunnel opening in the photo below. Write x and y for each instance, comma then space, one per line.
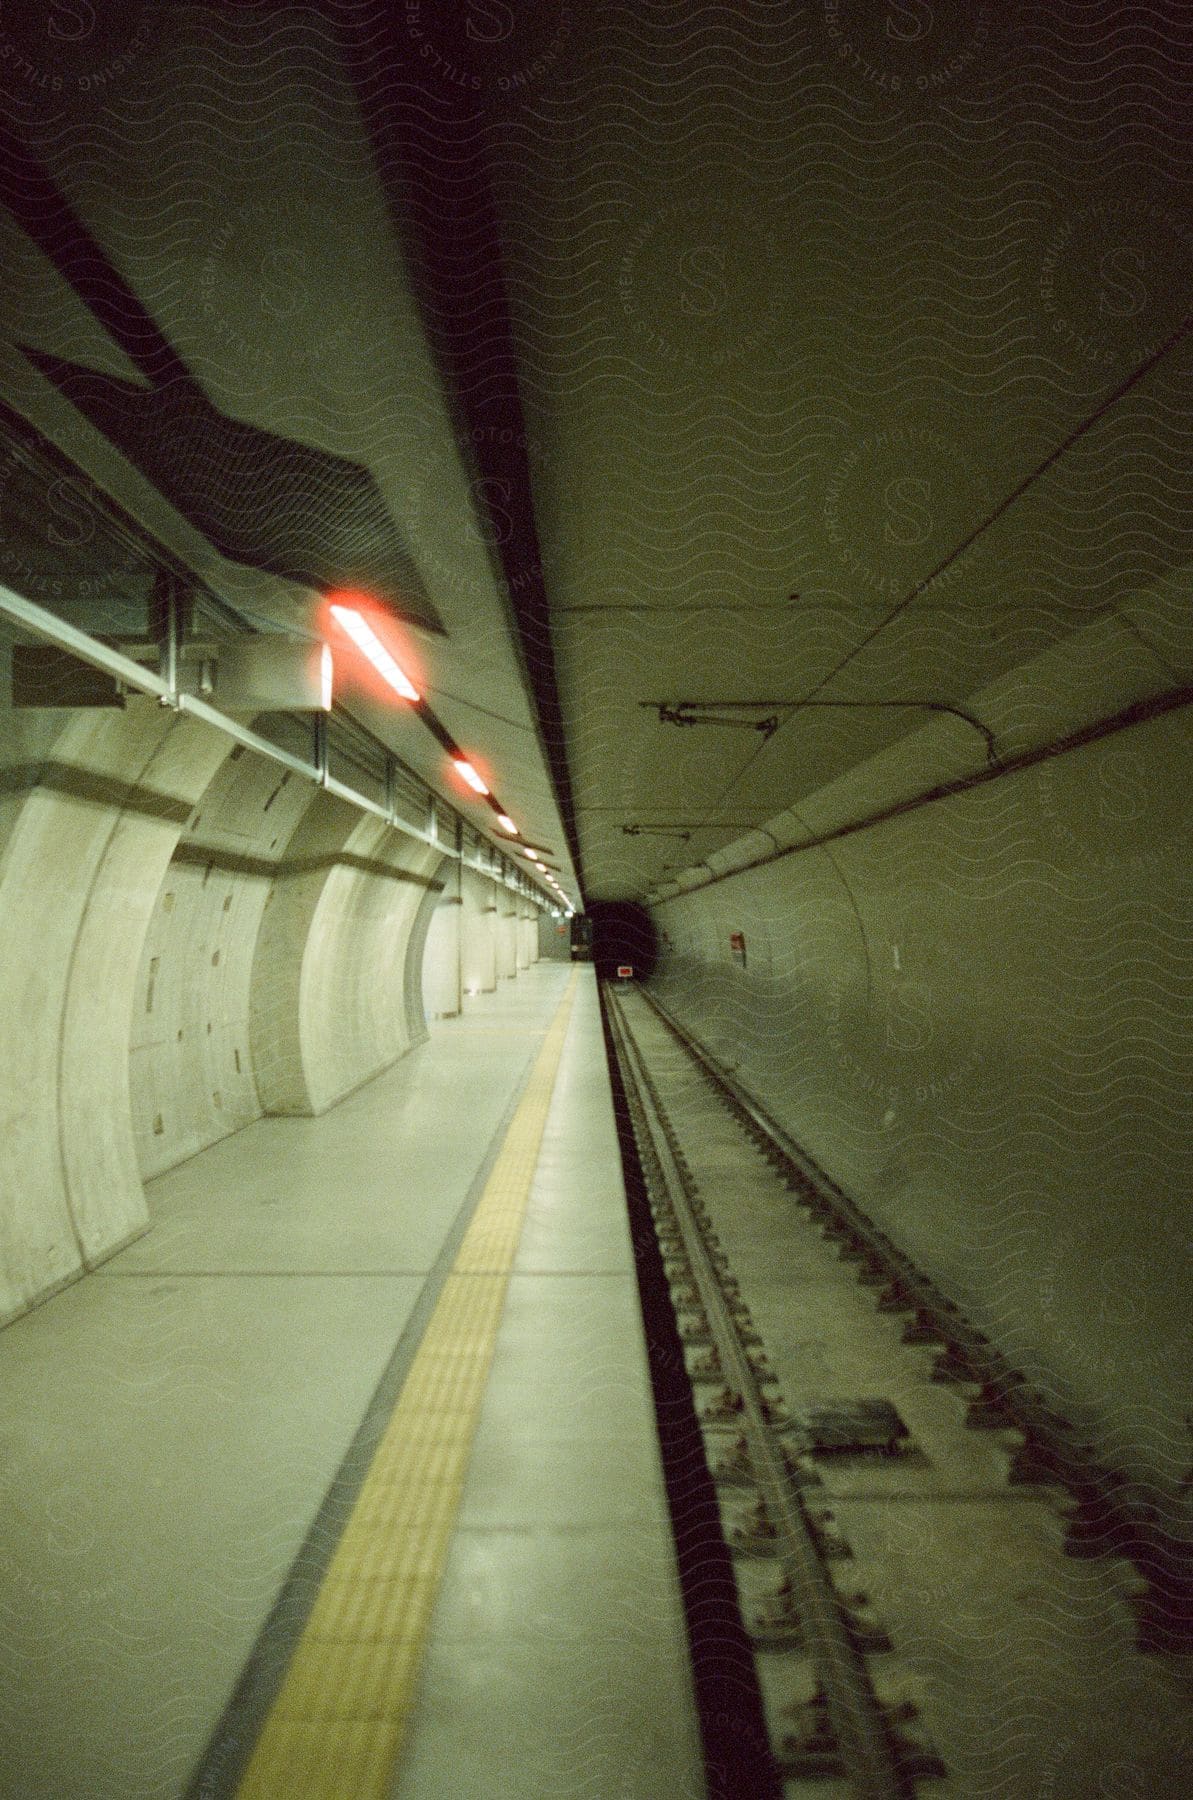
623, 933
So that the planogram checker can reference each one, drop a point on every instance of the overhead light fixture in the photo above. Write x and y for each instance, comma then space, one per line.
370, 646
465, 769
504, 820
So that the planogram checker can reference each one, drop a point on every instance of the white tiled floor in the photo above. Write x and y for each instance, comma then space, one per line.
169, 1426
557, 1664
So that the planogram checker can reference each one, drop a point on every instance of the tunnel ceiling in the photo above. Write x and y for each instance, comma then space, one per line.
634, 355
209, 310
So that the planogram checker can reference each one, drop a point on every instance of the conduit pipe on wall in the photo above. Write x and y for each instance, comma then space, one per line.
134, 675
1139, 712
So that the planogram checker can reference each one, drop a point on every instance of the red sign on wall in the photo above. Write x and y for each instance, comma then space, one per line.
737, 944
625, 971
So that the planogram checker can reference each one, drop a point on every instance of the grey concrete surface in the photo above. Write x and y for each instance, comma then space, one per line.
557, 1663
170, 1423
976, 1016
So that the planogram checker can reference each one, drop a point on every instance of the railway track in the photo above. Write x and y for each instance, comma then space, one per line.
842, 1711
843, 1728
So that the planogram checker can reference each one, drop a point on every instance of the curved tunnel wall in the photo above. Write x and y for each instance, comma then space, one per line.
977, 1017
329, 982
191, 1063
190, 938
86, 847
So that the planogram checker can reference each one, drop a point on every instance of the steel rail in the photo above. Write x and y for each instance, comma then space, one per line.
1112, 1515
863, 1740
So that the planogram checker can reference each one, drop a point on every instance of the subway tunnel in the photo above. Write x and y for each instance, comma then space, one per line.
596, 639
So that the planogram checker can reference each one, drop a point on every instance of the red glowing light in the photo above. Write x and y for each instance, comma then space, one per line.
466, 771
357, 628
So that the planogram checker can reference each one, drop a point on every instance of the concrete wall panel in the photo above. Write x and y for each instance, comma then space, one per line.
190, 1055
177, 918
977, 1016
442, 991
329, 979
478, 933
323, 833
85, 849
416, 953
507, 933
353, 992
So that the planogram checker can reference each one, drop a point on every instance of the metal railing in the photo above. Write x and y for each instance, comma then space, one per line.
164, 684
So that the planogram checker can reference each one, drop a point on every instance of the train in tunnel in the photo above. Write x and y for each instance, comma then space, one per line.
596, 647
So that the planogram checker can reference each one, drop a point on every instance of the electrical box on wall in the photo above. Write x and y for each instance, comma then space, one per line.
274, 674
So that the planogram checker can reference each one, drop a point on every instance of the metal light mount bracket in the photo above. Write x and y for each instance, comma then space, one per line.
669, 831
708, 712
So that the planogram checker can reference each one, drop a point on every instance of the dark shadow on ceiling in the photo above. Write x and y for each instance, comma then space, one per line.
265, 501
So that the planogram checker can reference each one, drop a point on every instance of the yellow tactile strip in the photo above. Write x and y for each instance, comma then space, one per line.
336, 1725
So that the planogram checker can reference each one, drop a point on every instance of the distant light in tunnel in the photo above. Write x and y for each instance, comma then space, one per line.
465, 769
504, 820
370, 645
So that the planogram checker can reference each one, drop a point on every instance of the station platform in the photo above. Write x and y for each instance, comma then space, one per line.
344, 1480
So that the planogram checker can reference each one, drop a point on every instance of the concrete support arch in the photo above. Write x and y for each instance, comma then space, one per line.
84, 853
191, 937
507, 934
478, 934
329, 992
